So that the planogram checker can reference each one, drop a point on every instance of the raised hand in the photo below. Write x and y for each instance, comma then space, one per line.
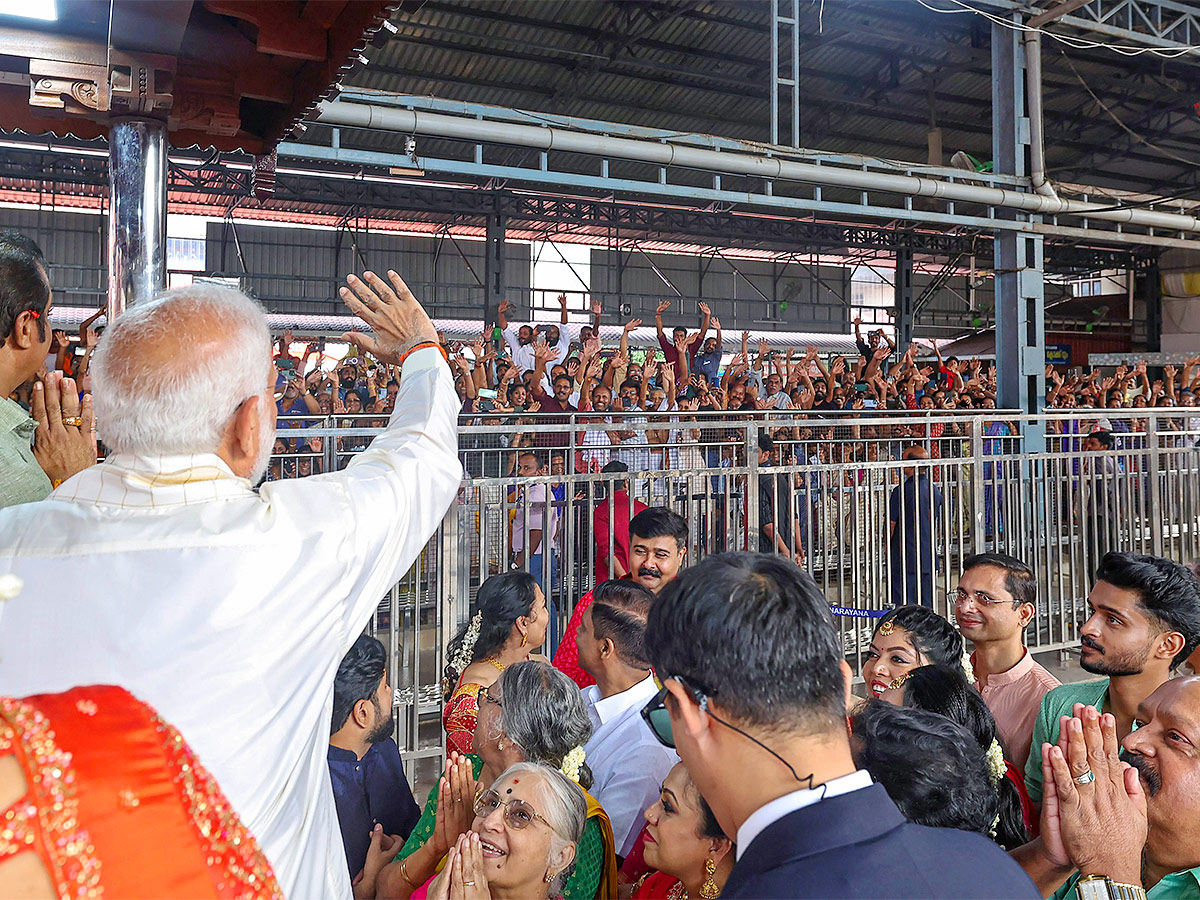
839, 366
716, 323
762, 347
393, 313
91, 339
632, 324
703, 307
663, 306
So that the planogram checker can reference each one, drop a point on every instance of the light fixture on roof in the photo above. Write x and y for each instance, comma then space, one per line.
46, 10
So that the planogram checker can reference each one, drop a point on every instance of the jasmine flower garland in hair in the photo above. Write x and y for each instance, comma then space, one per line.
996, 765
462, 659
572, 763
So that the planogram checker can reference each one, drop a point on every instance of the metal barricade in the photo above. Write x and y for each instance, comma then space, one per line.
872, 527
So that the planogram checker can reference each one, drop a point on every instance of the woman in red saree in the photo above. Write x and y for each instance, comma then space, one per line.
99, 797
511, 621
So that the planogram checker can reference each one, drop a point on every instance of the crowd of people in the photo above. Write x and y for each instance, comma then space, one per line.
189, 705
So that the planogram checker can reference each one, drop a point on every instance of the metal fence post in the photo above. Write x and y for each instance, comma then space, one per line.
978, 521
1156, 529
752, 487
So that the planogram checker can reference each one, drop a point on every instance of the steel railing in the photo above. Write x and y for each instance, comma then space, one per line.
873, 528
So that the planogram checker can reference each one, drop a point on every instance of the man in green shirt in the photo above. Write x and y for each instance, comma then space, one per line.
1100, 821
32, 459
1145, 620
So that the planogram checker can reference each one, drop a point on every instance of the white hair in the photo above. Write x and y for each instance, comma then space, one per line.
566, 811
169, 374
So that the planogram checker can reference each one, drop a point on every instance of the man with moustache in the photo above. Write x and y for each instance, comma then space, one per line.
1106, 833
1145, 620
657, 551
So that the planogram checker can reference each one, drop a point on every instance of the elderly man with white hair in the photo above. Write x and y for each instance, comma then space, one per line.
227, 609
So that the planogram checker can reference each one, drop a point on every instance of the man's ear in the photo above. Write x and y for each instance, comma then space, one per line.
244, 428
360, 713
685, 713
848, 683
1025, 614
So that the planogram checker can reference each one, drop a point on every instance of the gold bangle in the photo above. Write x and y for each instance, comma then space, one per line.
404, 874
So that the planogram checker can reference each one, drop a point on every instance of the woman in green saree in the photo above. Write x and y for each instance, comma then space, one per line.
533, 713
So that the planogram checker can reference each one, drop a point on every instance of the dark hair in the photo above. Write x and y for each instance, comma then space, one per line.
629, 384
658, 521
615, 466
1168, 591
932, 636
766, 443
753, 631
563, 377
619, 612
709, 826
945, 690
1104, 437
359, 675
501, 600
1019, 578
24, 283
930, 766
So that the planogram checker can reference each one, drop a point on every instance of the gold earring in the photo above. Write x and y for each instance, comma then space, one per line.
886, 628
524, 638
709, 890
548, 877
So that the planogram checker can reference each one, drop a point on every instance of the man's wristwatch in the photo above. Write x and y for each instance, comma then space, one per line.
1101, 887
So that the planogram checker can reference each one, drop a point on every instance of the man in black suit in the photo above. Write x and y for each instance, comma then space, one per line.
755, 693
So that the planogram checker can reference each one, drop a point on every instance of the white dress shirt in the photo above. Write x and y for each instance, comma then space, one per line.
772, 812
522, 354
627, 761
228, 610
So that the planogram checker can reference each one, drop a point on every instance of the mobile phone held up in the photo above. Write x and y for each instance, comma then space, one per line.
487, 394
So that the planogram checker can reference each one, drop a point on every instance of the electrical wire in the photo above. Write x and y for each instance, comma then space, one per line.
1075, 42
1133, 134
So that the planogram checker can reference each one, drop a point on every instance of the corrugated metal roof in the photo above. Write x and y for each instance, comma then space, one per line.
875, 75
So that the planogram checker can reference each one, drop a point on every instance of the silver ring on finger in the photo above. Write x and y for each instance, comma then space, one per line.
1086, 778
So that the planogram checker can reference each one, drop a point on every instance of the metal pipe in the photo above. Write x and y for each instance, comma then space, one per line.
137, 213
1037, 124
360, 115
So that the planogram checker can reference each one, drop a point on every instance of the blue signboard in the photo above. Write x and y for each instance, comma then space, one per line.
1058, 354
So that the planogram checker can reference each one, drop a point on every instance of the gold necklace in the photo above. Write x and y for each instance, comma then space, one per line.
500, 667
677, 892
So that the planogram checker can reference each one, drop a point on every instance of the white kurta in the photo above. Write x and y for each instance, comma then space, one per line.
228, 610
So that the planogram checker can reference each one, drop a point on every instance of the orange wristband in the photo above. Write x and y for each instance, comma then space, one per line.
434, 344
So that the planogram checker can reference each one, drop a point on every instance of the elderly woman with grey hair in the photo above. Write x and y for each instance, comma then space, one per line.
533, 713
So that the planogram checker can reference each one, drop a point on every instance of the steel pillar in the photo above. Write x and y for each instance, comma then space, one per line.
137, 212
905, 300
1152, 297
1019, 257
493, 278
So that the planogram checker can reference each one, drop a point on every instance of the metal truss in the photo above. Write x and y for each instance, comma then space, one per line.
1165, 24
347, 197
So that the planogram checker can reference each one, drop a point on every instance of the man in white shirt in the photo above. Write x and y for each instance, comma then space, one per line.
520, 340
228, 610
627, 761
754, 697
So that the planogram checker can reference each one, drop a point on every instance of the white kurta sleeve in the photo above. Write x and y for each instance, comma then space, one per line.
391, 498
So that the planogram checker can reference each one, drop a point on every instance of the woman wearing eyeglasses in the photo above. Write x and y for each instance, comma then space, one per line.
522, 843
691, 855
532, 713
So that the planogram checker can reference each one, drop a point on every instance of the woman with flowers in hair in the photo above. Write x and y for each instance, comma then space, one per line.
531, 713
945, 690
510, 623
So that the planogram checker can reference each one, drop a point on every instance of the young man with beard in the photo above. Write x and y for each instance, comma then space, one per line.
657, 550
1108, 834
993, 606
1145, 621
369, 787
